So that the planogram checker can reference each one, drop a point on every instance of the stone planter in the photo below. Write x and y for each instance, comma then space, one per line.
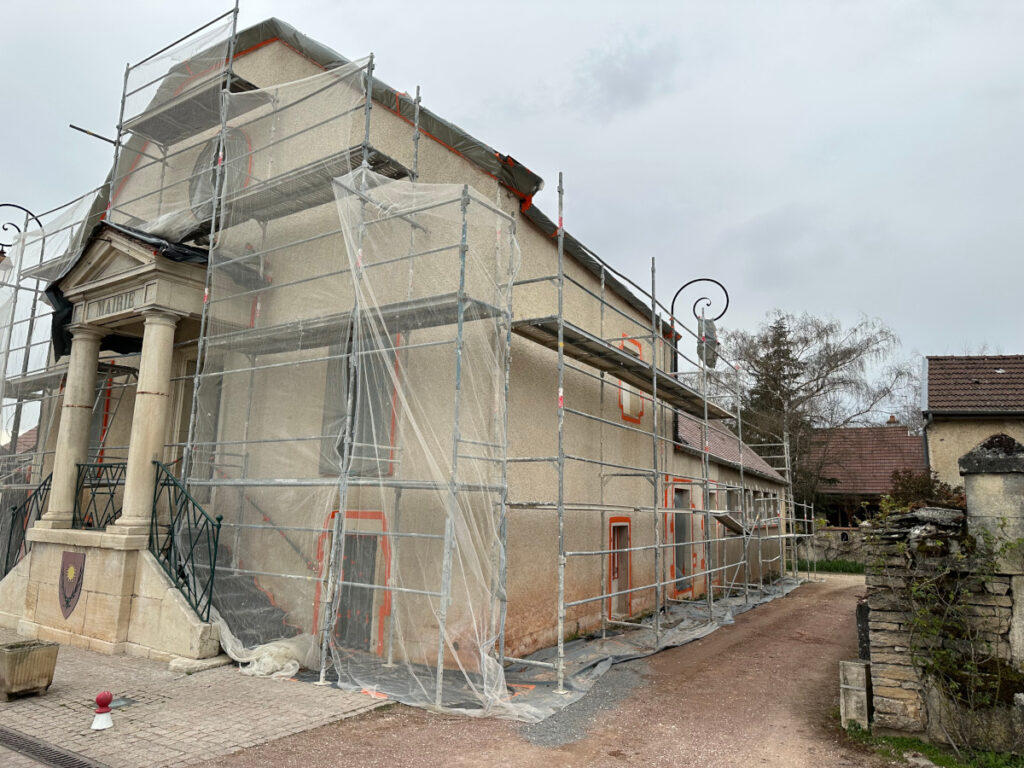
26, 667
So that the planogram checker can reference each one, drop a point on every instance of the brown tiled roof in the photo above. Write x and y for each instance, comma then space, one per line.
979, 384
723, 445
862, 459
26, 442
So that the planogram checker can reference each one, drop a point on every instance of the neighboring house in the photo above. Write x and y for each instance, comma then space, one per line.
965, 400
404, 463
855, 467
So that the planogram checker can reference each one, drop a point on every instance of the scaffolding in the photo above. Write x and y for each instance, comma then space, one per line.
615, 344
31, 388
344, 399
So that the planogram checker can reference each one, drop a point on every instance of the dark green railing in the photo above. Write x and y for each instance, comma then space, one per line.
22, 516
96, 502
184, 539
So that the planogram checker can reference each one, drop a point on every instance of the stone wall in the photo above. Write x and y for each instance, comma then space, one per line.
834, 544
907, 553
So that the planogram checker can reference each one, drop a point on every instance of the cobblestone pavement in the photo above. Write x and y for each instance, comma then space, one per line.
10, 759
176, 719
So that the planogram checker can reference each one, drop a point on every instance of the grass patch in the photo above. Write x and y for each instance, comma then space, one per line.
894, 747
831, 566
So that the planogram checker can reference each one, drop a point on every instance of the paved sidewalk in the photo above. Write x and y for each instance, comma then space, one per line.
176, 719
10, 759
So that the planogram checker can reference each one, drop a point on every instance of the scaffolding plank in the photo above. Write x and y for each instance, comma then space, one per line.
50, 378
325, 330
306, 186
604, 356
193, 112
730, 522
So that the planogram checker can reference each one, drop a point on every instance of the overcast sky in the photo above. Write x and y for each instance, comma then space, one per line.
829, 156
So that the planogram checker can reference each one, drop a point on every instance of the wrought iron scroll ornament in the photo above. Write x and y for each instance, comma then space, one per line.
707, 334
707, 301
11, 230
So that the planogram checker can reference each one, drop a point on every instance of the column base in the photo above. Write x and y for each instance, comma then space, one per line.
52, 523
74, 537
132, 528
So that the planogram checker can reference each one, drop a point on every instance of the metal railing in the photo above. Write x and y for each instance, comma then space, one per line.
184, 539
22, 516
99, 484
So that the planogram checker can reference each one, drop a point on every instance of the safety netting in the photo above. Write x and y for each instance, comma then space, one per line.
44, 247
350, 415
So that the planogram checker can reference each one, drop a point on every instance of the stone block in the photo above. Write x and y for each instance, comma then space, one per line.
884, 626
995, 624
998, 585
136, 650
896, 672
897, 693
150, 580
890, 639
897, 617
102, 646
883, 656
106, 616
47, 611
897, 723
910, 709
855, 693
62, 637
109, 571
1001, 600
144, 622
45, 564
13, 591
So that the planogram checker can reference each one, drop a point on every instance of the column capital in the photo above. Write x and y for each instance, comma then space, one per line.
87, 332
160, 316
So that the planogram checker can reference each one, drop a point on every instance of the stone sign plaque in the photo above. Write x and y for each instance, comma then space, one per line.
113, 305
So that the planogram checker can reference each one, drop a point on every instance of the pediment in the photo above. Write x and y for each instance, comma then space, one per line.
108, 259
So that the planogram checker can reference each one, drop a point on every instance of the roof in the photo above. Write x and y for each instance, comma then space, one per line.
26, 442
862, 459
723, 446
979, 384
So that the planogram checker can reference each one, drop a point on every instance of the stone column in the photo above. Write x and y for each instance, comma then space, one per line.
149, 425
75, 418
993, 473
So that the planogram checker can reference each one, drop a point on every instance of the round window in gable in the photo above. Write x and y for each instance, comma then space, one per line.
237, 167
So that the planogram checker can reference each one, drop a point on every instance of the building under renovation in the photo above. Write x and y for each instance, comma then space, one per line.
309, 366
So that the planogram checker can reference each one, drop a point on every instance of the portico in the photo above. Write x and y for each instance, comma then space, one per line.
125, 290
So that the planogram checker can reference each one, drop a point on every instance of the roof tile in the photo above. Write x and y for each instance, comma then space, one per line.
978, 384
862, 459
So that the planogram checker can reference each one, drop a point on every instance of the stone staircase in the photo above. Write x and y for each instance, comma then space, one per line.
248, 609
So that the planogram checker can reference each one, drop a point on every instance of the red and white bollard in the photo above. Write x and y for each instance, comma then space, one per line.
102, 720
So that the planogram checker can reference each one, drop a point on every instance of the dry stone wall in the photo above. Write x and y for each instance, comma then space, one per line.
946, 628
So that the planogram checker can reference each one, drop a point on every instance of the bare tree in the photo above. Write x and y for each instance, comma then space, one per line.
805, 373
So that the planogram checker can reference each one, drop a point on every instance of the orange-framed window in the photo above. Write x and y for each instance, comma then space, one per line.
619, 560
631, 404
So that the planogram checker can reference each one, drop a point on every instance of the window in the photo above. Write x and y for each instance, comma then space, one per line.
681, 539
631, 403
374, 401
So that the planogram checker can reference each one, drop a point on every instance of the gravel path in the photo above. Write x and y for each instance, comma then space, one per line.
761, 692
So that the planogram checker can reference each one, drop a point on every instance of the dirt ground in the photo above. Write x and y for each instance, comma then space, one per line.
761, 692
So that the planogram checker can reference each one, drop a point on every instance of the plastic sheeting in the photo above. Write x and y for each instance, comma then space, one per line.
351, 410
